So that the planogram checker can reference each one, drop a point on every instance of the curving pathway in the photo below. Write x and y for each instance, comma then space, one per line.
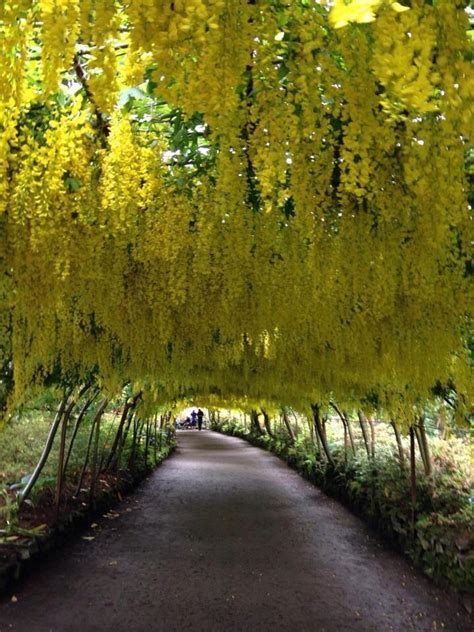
226, 537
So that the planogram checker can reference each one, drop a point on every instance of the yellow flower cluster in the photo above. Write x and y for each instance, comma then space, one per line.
360, 11
322, 252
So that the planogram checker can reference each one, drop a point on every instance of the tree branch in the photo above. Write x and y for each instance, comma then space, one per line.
102, 124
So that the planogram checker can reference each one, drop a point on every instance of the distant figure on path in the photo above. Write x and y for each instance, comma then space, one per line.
200, 416
193, 418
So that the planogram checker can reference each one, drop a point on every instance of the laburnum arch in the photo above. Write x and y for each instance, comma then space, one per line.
257, 200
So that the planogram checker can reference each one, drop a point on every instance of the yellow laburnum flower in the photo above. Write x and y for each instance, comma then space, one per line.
319, 250
360, 11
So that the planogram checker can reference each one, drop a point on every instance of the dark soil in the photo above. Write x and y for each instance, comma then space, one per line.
43, 512
225, 537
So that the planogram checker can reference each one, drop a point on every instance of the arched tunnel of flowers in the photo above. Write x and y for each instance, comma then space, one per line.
260, 206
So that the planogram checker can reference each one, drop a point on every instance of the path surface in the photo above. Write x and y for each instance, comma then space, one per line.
225, 537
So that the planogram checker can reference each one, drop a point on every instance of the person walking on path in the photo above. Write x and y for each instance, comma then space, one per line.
193, 418
200, 416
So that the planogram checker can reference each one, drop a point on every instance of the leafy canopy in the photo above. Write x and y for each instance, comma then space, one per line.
235, 199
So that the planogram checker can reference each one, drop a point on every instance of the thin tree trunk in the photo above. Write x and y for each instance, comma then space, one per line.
136, 423
137, 439
287, 423
363, 427
160, 435
123, 441
315, 435
255, 422
23, 495
125, 426
424, 446
95, 453
343, 420
351, 434
266, 421
319, 431
86, 459
374, 468
89, 444
147, 442
421, 447
118, 436
79, 419
412, 480
312, 433
155, 437
398, 438
103, 452
344, 417
372, 437
346, 444
324, 419
297, 429
62, 450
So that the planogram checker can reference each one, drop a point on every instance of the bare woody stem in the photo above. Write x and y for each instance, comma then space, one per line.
102, 124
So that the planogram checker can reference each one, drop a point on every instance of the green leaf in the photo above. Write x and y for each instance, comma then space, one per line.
73, 184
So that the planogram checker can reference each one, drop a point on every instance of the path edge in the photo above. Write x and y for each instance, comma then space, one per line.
35, 550
466, 599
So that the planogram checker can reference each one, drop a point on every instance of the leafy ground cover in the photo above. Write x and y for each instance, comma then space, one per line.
92, 480
378, 488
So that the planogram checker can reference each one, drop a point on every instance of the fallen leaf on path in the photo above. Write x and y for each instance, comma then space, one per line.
14, 599
94, 525
88, 537
113, 563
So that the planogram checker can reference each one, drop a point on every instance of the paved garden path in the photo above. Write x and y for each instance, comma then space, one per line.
226, 537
